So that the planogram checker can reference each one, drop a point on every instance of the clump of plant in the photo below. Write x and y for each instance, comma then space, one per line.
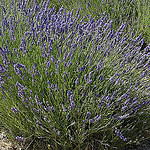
72, 84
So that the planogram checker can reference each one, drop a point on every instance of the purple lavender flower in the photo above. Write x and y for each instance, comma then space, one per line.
97, 118
37, 122
58, 132
34, 109
36, 99
88, 115
99, 66
19, 138
124, 116
90, 74
123, 108
101, 77
4, 9
120, 135
72, 104
82, 68
77, 80
14, 110
2, 69
92, 120
117, 131
72, 138
53, 59
85, 77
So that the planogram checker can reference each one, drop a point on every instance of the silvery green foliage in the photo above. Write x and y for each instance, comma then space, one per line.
72, 78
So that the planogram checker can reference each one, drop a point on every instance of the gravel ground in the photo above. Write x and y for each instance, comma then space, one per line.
5, 144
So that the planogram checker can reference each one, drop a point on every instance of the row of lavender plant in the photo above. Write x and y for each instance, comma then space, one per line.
134, 12
70, 83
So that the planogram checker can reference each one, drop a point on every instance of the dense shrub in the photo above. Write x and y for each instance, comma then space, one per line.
72, 84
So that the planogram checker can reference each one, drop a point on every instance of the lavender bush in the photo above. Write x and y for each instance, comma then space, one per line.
72, 84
